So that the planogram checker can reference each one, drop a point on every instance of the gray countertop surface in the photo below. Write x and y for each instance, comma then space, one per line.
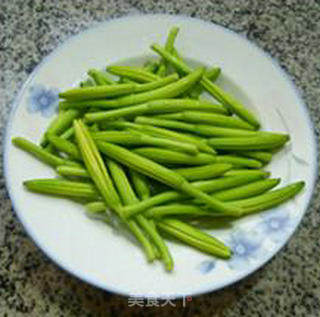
31, 285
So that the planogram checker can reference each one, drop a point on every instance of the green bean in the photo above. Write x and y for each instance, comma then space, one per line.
44, 141
152, 85
51, 149
178, 64
203, 172
160, 173
202, 129
215, 131
128, 196
261, 142
87, 83
164, 123
141, 185
161, 71
155, 107
95, 165
94, 128
62, 188
186, 211
139, 234
227, 100
169, 91
65, 170
230, 102
108, 80
68, 133
238, 161
213, 185
103, 181
121, 182
268, 200
207, 186
100, 78
196, 233
149, 129
247, 190
62, 122
40, 153
211, 74
168, 47
176, 54
163, 82
246, 172
209, 223
172, 157
264, 157
178, 210
134, 73
181, 146
208, 118
96, 207
140, 164
125, 80
163, 133
151, 67
65, 146
137, 139
199, 244
152, 230
110, 103
92, 213
95, 75
96, 92
196, 92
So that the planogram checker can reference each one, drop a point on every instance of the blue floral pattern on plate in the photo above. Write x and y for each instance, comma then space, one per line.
245, 245
276, 224
249, 244
206, 266
44, 100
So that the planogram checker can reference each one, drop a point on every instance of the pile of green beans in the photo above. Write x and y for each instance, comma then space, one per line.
142, 144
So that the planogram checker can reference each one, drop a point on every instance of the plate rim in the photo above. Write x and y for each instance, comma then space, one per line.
63, 266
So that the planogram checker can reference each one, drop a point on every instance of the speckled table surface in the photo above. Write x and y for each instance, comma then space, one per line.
30, 285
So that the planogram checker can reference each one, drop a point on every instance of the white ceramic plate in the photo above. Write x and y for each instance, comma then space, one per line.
93, 251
